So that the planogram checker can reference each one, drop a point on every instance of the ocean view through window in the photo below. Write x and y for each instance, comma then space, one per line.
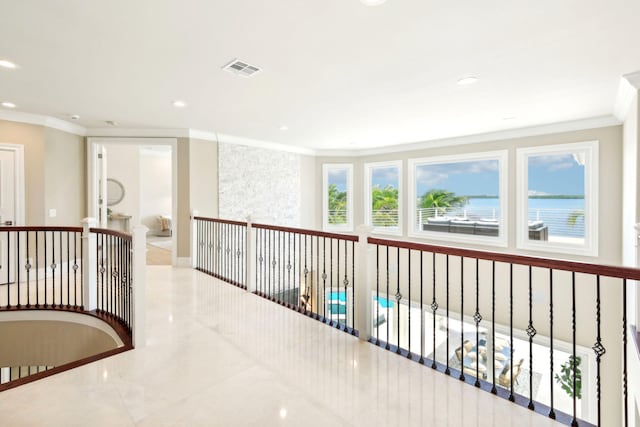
558, 192
459, 198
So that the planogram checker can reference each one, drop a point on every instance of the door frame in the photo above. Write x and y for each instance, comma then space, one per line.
18, 171
94, 145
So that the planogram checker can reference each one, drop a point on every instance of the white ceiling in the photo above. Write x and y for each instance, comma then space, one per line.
337, 73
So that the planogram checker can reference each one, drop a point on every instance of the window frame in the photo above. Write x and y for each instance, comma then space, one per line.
326, 168
499, 241
591, 196
368, 211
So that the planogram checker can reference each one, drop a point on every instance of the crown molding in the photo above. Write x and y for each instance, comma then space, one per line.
41, 120
574, 125
116, 132
627, 92
629, 84
237, 140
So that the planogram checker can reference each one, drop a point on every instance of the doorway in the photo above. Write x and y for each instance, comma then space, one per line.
142, 173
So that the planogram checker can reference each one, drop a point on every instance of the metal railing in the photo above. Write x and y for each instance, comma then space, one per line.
114, 272
81, 269
221, 248
308, 271
497, 321
41, 267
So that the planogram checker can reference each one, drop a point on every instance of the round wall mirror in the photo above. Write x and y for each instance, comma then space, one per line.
115, 191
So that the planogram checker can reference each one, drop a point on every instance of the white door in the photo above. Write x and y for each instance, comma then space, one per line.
7, 212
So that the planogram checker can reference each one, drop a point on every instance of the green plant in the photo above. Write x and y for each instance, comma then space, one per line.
574, 216
565, 378
337, 205
441, 200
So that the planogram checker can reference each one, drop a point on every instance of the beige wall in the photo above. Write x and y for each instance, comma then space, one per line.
203, 177
183, 221
54, 169
65, 174
610, 183
310, 201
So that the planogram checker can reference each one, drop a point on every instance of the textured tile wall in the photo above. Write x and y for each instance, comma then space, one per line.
262, 183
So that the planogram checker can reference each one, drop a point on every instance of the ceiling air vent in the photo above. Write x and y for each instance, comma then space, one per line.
241, 68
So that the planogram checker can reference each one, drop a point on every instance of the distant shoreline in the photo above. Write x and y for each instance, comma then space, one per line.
546, 196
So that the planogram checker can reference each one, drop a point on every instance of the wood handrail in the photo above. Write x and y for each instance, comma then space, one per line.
221, 221
121, 234
39, 228
348, 237
555, 264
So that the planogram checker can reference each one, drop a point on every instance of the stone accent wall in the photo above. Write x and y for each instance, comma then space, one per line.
258, 182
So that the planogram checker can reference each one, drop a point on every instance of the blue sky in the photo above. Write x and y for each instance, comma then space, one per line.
471, 178
549, 174
557, 174
338, 177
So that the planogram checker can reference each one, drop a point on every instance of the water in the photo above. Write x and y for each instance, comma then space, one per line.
555, 213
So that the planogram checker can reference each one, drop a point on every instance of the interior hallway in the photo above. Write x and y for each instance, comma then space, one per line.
219, 356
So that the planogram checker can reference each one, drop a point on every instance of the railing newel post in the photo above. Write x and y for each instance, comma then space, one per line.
194, 239
89, 265
361, 288
139, 267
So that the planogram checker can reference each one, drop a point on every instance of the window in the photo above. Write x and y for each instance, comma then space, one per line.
459, 198
383, 197
337, 197
558, 198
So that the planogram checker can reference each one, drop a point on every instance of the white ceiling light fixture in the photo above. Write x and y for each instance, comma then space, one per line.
284, 128
469, 80
372, 2
242, 68
111, 122
75, 117
179, 104
5, 63
8, 105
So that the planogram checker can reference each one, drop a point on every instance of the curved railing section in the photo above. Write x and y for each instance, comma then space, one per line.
80, 269
41, 267
114, 272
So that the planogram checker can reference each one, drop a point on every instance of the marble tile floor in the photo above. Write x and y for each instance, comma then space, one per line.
219, 356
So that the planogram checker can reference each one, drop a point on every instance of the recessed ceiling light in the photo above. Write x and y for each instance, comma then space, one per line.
508, 118
467, 80
111, 123
7, 64
284, 128
8, 105
179, 104
75, 117
372, 2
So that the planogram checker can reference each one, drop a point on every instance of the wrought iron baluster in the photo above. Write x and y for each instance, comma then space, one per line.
511, 395
624, 354
494, 390
422, 343
477, 318
409, 304
531, 332
353, 289
377, 299
398, 298
434, 308
447, 371
388, 300
462, 349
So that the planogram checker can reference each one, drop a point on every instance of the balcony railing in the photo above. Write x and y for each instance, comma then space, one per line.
85, 270
549, 335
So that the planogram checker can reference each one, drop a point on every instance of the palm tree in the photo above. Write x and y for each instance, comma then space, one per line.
337, 205
439, 200
384, 206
